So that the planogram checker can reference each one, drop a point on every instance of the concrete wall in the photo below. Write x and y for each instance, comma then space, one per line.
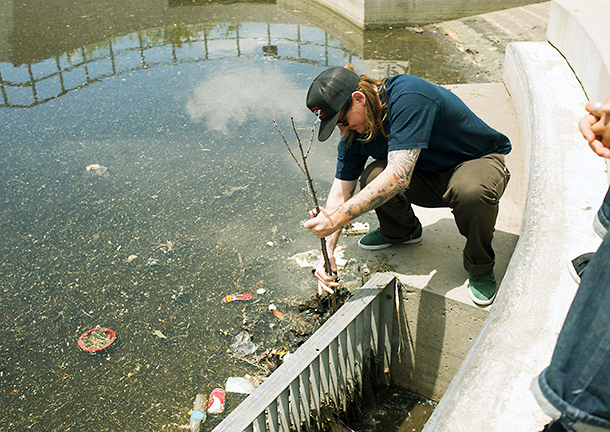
578, 29
436, 333
369, 14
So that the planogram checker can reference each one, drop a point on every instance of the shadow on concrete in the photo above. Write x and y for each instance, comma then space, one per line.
436, 263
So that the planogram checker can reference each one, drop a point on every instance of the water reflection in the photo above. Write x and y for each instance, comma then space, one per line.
27, 85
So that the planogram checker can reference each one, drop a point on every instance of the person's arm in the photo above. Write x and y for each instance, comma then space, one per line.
395, 178
595, 128
340, 192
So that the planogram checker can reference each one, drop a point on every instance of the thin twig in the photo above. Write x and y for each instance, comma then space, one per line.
248, 361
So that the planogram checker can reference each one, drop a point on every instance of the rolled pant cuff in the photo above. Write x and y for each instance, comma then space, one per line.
569, 416
600, 224
477, 269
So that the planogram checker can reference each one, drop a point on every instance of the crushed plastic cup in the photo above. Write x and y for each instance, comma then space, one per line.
242, 345
216, 402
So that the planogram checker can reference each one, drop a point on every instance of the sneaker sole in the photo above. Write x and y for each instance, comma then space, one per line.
479, 301
572, 271
387, 245
374, 247
571, 255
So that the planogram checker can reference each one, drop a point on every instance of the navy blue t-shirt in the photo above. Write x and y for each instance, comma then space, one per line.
424, 115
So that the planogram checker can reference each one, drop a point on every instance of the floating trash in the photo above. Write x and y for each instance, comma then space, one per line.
159, 334
242, 345
275, 357
96, 339
307, 259
198, 415
130, 258
216, 402
356, 228
152, 261
311, 257
236, 297
234, 189
239, 385
276, 312
96, 169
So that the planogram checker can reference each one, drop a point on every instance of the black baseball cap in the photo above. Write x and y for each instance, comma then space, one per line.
328, 94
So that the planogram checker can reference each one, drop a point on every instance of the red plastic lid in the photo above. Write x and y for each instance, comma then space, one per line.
96, 339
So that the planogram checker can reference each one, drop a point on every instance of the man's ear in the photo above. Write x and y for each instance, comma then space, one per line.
358, 97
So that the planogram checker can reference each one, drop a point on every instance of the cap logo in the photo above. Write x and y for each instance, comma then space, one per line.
318, 112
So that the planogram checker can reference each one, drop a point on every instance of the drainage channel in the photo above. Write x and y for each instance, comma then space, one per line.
352, 348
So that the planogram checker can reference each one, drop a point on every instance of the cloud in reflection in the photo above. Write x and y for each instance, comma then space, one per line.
245, 94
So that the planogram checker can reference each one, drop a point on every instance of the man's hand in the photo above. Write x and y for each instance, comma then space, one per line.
326, 282
321, 225
595, 128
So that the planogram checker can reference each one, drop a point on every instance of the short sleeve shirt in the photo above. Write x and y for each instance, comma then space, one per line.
423, 115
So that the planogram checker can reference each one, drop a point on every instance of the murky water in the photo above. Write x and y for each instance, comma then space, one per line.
199, 199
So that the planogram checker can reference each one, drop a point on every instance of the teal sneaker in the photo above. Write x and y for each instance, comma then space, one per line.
375, 241
482, 288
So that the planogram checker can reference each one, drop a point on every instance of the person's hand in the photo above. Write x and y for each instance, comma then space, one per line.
326, 282
321, 224
595, 129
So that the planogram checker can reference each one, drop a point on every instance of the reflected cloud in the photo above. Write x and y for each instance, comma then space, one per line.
234, 96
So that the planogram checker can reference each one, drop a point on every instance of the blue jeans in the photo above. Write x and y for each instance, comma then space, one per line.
602, 221
575, 388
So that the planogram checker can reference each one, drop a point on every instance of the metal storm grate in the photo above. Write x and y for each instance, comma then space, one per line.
352, 346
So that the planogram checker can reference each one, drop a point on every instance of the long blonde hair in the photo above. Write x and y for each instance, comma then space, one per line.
373, 109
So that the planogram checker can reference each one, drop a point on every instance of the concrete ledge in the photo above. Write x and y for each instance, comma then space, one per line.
566, 184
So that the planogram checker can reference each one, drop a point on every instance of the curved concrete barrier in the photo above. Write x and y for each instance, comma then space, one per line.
566, 185
579, 30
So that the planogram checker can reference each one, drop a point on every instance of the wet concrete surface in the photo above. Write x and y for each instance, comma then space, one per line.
476, 45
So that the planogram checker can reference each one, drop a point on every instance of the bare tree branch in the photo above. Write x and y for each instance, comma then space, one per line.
310, 188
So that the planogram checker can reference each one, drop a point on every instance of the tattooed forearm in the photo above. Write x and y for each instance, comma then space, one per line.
402, 164
393, 180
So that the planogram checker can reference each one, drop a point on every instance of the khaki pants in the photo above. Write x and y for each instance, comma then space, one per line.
471, 189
